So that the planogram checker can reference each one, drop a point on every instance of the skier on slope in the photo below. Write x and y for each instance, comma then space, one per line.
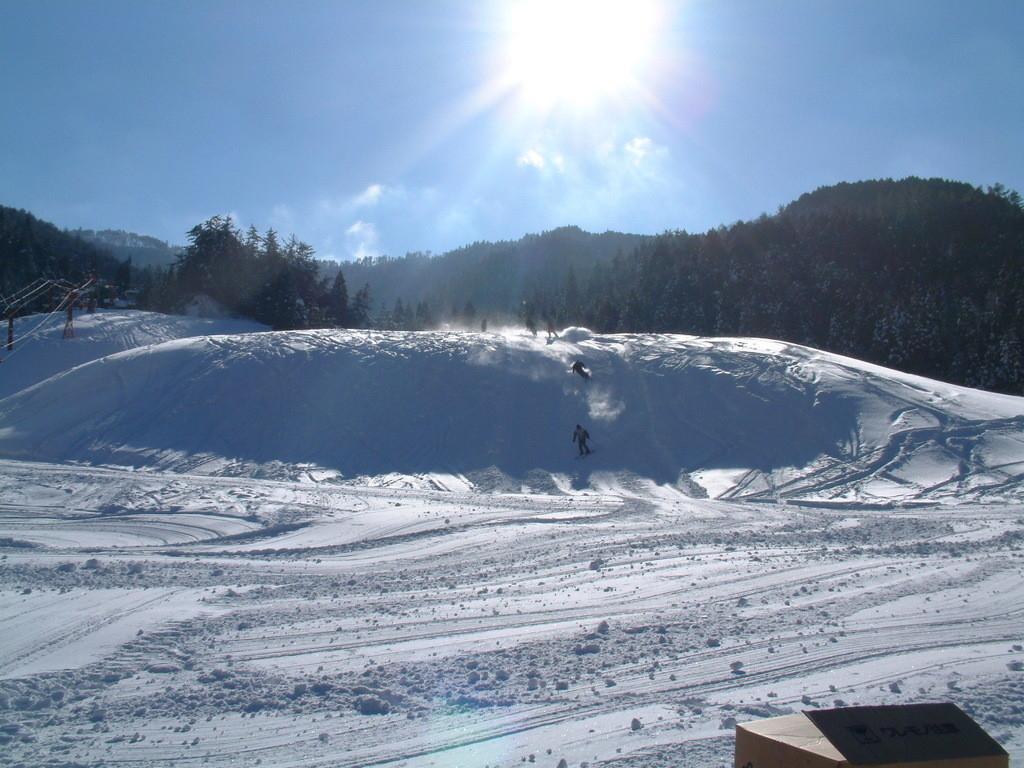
580, 436
581, 369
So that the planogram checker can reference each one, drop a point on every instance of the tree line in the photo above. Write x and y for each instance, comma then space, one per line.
923, 275
257, 276
31, 248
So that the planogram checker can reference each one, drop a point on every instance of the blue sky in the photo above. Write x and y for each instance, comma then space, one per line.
384, 126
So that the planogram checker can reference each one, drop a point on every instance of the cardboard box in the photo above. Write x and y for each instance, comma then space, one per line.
912, 736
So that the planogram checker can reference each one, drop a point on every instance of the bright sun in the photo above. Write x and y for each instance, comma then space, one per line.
578, 53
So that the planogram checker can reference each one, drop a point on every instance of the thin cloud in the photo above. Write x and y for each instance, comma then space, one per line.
641, 148
362, 239
544, 161
638, 148
353, 224
369, 196
609, 181
531, 158
329, 208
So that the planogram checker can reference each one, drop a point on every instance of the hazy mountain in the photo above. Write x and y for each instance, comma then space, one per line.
492, 276
143, 250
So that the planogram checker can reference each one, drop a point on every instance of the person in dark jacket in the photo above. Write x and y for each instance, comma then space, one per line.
581, 369
580, 437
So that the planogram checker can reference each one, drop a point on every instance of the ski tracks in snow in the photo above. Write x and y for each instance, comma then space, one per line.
486, 628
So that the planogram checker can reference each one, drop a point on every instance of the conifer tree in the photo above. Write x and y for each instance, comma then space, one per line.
359, 311
338, 302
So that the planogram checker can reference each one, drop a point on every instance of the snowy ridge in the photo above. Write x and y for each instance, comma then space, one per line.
41, 351
723, 418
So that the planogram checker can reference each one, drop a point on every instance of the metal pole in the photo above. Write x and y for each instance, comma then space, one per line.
69, 326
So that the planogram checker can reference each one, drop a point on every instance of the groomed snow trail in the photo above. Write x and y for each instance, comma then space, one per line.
489, 627
772, 529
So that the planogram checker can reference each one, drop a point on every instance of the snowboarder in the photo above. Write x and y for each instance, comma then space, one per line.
580, 436
581, 369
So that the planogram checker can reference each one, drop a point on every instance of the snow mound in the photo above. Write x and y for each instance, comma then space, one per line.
575, 335
42, 351
726, 418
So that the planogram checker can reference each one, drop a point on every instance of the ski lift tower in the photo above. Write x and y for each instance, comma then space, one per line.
71, 298
69, 324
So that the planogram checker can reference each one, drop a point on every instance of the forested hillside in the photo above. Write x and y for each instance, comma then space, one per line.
31, 248
488, 278
925, 276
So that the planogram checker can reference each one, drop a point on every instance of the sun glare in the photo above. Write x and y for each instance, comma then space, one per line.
578, 53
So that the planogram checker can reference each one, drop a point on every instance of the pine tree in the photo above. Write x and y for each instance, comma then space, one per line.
359, 311
253, 241
338, 310
399, 320
424, 317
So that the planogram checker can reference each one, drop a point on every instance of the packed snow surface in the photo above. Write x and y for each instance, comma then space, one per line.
352, 548
40, 349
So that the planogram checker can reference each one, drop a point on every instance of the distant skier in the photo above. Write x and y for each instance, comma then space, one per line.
531, 327
552, 333
580, 437
581, 369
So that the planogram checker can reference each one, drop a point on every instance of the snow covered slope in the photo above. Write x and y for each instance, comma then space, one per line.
41, 350
313, 569
725, 418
